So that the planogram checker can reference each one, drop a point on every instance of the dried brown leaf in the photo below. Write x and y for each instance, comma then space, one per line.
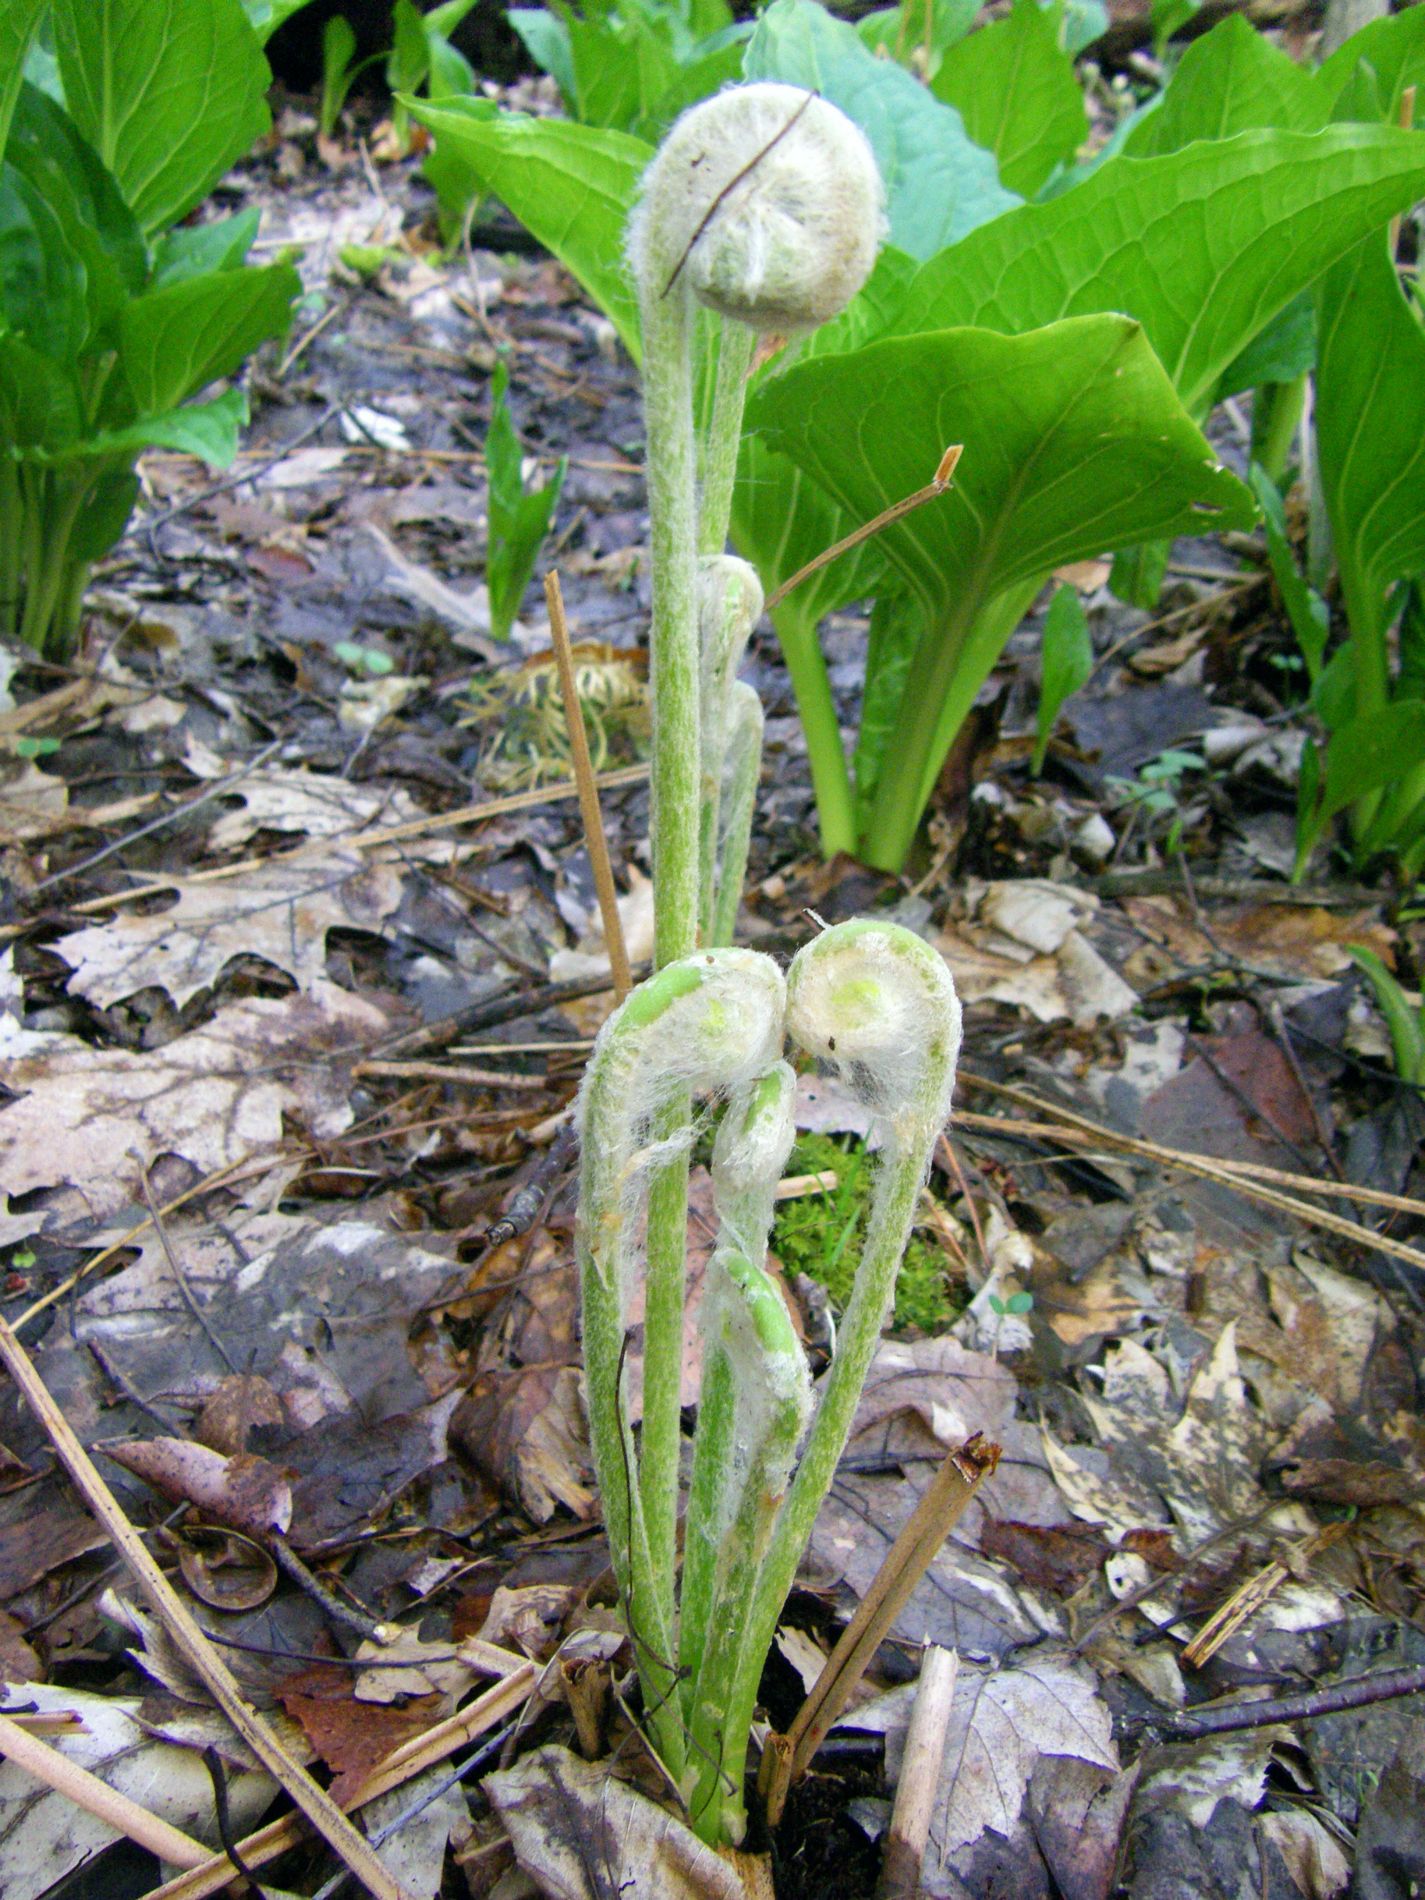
281, 913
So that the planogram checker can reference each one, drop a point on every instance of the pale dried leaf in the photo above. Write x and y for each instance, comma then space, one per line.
1202, 1460
1193, 1778
97, 1118
281, 913
315, 803
33, 803
583, 1835
43, 1835
1314, 1857
1001, 1722
415, 1854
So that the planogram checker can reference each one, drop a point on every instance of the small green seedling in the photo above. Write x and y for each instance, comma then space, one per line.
1403, 1019
28, 747
368, 660
519, 518
1017, 1303
1067, 659
1157, 791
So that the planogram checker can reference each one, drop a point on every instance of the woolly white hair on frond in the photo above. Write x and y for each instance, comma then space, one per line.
878, 1004
704, 1025
767, 198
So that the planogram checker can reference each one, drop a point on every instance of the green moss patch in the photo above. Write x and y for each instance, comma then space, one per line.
820, 1234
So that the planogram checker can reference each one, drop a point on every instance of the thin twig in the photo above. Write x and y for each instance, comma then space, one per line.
453, 1072
1241, 1177
186, 1635
45, 1764
402, 1765
937, 485
1360, 1692
588, 792
205, 797
366, 840
919, 1783
200, 1318
904, 1564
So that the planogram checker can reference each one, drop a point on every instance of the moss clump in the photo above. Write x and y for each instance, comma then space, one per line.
820, 1234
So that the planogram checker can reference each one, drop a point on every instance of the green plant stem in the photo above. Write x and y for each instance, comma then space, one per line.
601, 1241
674, 670
831, 780
724, 436
662, 1397
739, 801
11, 545
950, 665
1277, 410
893, 1212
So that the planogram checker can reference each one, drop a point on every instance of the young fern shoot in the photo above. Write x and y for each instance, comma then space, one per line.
762, 206
706, 1024
876, 1003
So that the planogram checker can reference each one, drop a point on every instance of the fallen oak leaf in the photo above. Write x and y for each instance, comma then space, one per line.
280, 913
1001, 1722
97, 1118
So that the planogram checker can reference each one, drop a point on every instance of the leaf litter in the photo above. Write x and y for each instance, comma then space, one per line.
313, 1344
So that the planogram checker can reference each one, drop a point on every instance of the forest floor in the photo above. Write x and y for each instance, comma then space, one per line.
299, 962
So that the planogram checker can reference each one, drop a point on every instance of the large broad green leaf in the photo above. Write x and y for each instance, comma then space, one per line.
939, 184
1392, 48
42, 281
1202, 246
168, 92
1370, 439
571, 185
546, 40
899, 33
1014, 87
39, 399
175, 341
18, 21
781, 521
98, 226
267, 15
1074, 442
1231, 80
195, 249
207, 429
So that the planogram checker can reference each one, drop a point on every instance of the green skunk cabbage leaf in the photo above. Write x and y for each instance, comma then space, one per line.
42, 279
1370, 432
168, 95
18, 21
192, 249
939, 184
98, 226
1392, 48
1075, 443
570, 185
267, 15
39, 399
1015, 89
175, 341
206, 429
1202, 246
899, 32
1066, 662
1231, 80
